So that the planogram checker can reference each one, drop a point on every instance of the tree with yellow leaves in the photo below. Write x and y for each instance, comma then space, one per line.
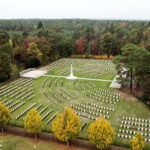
32, 122
5, 115
137, 142
66, 126
101, 133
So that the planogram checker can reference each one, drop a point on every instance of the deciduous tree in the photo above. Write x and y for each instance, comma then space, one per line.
95, 46
32, 122
80, 45
137, 142
5, 115
101, 133
66, 126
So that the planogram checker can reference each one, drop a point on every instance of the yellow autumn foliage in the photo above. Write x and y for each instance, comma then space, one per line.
32, 122
101, 133
66, 126
5, 115
137, 142
93, 56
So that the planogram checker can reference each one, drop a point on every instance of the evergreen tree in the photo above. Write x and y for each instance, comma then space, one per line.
4, 37
108, 43
5, 61
40, 25
136, 61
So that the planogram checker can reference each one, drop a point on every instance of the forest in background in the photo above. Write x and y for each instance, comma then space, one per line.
34, 42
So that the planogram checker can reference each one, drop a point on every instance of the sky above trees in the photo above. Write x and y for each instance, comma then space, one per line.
91, 9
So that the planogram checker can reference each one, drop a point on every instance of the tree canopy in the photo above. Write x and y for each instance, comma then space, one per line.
66, 125
137, 73
101, 133
32, 122
5, 115
137, 142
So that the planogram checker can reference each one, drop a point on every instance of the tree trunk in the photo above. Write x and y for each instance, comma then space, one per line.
137, 85
36, 136
50, 139
2, 130
131, 78
67, 144
98, 52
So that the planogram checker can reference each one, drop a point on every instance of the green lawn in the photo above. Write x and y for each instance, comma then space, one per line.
14, 142
125, 106
11, 142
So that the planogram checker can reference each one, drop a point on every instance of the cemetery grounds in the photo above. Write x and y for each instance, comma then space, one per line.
89, 99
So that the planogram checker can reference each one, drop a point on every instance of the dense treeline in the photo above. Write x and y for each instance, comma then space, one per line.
65, 37
34, 42
133, 65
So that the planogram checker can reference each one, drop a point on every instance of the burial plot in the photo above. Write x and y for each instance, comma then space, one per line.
129, 126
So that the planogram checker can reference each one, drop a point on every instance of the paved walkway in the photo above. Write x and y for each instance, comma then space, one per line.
115, 83
79, 78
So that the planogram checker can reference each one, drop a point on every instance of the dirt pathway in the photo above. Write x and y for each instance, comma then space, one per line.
127, 96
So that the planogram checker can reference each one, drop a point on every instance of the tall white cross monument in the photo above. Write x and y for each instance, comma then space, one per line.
71, 74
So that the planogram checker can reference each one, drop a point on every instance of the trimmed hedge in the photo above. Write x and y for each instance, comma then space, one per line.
92, 56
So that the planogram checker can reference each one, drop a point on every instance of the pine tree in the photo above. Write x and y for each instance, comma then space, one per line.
5, 115
32, 122
107, 43
101, 133
40, 25
5, 61
66, 126
137, 142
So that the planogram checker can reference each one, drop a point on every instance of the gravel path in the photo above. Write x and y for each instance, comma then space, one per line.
79, 78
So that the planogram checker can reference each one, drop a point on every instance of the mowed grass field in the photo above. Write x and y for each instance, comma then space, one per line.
14, 142
43, 87
11, 142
